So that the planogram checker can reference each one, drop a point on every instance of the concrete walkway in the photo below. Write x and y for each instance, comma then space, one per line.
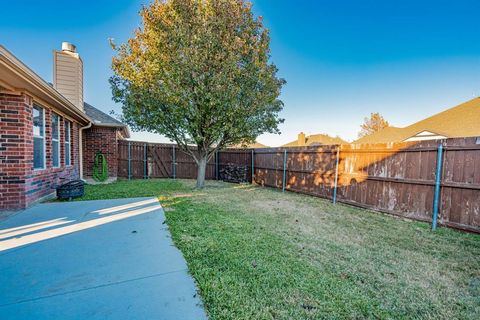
107, 259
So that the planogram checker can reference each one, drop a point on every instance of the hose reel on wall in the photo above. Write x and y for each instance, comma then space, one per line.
100, 175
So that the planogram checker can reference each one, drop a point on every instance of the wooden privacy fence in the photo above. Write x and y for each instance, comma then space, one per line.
142, 160
399, 179
412, 180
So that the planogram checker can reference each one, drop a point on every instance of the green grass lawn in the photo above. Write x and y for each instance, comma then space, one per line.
258, 253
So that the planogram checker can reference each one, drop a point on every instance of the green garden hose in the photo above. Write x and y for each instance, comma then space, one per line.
103, 175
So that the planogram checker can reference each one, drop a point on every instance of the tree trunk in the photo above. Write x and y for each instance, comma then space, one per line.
202, 168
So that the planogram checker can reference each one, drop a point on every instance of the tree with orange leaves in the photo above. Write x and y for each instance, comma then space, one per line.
373, 124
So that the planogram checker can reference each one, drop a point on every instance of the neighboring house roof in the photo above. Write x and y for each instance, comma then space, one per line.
385, 135
101, 119
316, 139
256, 145
457, 122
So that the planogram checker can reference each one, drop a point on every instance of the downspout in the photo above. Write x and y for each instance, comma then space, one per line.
80, 148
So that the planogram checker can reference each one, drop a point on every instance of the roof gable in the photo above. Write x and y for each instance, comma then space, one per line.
426, 135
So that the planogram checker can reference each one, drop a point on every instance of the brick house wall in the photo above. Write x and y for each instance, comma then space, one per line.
14, 119
20, 184
41, 183
104, 140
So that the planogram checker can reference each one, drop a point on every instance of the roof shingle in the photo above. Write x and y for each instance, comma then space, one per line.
101, 118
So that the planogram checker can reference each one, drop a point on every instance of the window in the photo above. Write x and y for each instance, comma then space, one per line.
68, 161
55, 140
38, 138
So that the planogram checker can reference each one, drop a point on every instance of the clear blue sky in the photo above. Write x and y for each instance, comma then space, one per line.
341, 59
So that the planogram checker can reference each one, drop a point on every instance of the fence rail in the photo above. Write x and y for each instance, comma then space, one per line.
399, 179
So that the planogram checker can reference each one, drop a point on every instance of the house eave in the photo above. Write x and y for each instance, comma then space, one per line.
22, 79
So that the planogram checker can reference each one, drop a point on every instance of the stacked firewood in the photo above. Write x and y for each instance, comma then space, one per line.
233, 173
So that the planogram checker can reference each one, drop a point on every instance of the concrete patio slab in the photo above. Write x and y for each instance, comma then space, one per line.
107, 259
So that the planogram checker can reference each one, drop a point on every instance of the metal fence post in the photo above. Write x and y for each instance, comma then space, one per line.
284, 170
174, 163
129, 160
216, 165
253, 166
438, 180
336, 176
145, 161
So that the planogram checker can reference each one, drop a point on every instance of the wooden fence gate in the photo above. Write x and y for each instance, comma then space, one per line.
141, 160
